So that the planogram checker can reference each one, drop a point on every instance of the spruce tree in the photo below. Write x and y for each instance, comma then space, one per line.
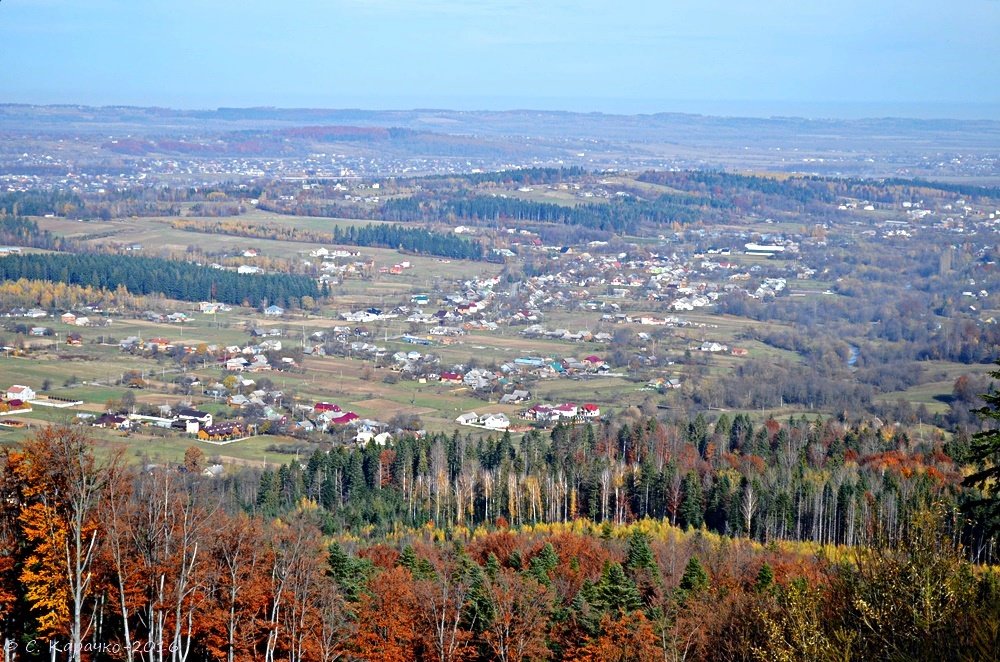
765, 578
544, 563
985, 453
639, 556
691, 512
695, 578
349, 573
615, 592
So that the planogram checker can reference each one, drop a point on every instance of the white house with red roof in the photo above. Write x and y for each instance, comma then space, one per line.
452, 377
20, 392
567, 410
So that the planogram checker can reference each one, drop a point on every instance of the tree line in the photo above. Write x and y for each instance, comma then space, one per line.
807, 480
39, 202
519, 176
149, 275
621, 216
49, 295
803, 190
22, 231
379, 235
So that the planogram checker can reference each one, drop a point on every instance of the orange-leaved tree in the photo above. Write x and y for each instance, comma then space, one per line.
386, 618
627, 637
63, 491
519, 610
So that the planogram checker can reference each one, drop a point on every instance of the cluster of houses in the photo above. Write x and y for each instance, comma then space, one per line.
213, 307
249, 358
69, 318
540, 331
327, 414
685, 282
31, 313
252, 357
160, 318
17, 399
462, 311
566, 412
548, 367
396, 269
714, 347
190, 421
248, 396
662, 384
330, 417
370, 315
75, 320
484, 421
545, 414
340, 264
769, 287
413, 362
506, 376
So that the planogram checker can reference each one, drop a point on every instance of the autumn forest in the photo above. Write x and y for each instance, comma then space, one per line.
652, 541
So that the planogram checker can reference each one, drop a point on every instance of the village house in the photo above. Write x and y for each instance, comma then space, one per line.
515, 397
451, 378
188, 414
364, 437
221, 431
20, 392
113, 422
345, 418
470, 418
237, 364
270, 345
259, 364
132, 342
495, 422
213, 471
15, 405
708, 346
159, 344
567, 410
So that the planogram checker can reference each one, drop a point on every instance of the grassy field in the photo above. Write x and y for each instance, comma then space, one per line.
935, 393
157, 237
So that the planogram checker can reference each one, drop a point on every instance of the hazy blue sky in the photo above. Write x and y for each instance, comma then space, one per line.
807, 57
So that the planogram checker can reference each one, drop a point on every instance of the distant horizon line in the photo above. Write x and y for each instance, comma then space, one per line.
763, 110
